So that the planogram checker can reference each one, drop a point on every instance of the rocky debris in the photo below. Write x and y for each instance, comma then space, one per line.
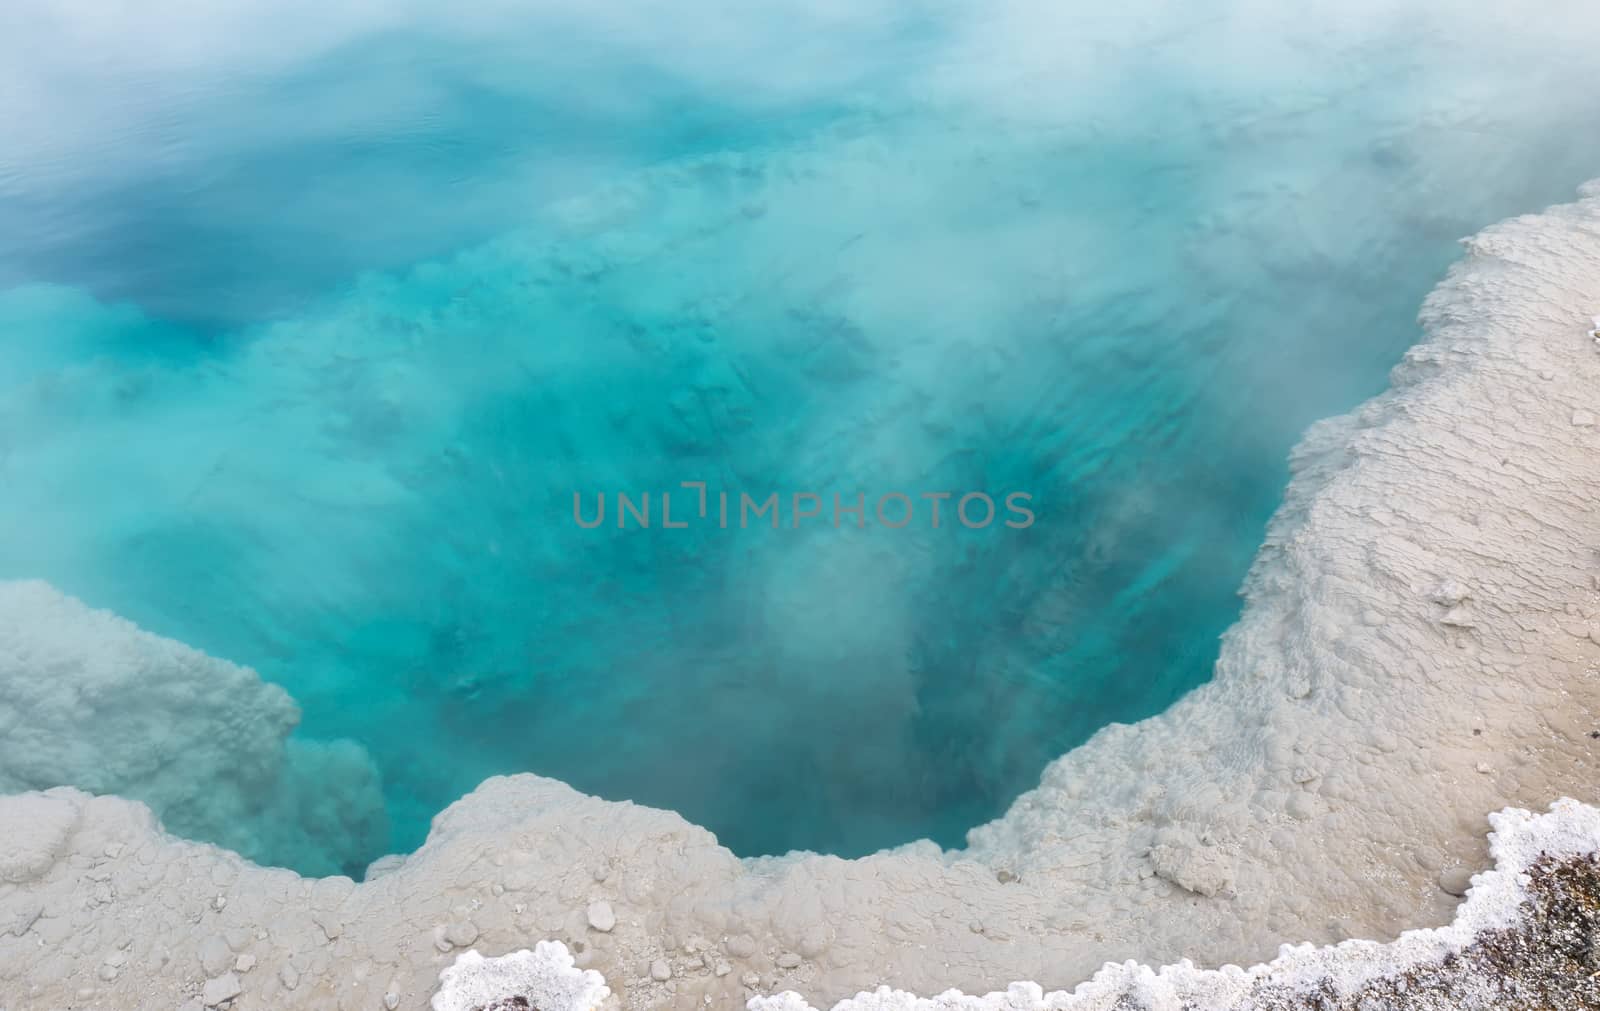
1193, 866
455, 934
220, 990
1455, 880
660, 971
1448, 593
215, 955
601, 917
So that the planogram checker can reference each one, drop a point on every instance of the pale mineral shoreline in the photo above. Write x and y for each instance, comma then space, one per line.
1525, 938
1420, 647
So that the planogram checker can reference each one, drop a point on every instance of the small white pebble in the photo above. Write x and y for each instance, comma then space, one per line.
1455, 880
220, 990
214, 956
244, 963
601, 916
660, 971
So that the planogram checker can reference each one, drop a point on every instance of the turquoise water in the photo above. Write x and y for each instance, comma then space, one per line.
309, 341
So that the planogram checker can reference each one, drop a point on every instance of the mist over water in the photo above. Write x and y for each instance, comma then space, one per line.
311, 326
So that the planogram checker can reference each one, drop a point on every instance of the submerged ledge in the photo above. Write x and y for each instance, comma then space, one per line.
1420, 646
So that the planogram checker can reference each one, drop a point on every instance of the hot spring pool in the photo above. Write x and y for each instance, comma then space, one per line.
308, 341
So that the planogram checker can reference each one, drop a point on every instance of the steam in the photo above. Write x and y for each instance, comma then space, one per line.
315, 315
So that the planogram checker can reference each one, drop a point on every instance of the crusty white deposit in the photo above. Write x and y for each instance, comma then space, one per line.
545, 976
1421, 646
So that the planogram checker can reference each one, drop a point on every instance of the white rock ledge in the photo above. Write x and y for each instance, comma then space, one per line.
1420, 646
1435, 966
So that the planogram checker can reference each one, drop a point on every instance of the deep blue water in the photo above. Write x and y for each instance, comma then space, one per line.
306, 344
